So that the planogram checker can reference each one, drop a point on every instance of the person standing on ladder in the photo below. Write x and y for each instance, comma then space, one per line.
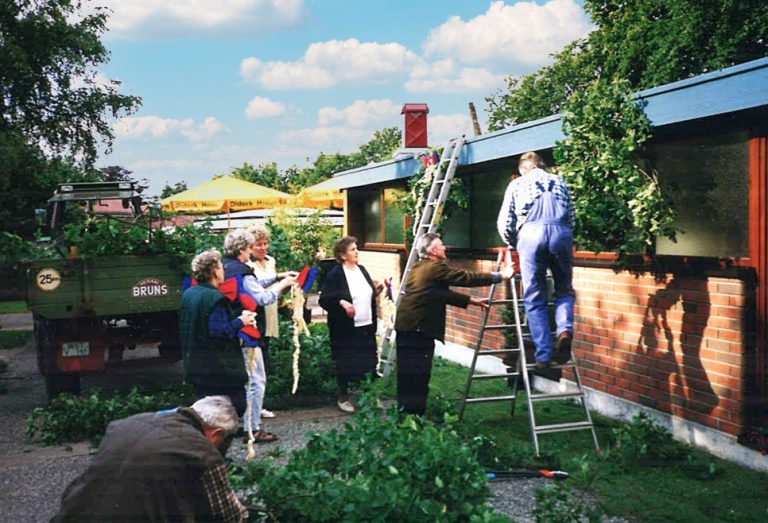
420, 316
537, 217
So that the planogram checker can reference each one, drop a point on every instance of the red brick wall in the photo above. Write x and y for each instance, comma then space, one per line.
676, 345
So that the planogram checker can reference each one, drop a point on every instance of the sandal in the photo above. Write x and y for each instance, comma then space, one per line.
260, 436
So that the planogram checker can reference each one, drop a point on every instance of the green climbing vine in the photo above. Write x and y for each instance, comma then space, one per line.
619, 202
412, 203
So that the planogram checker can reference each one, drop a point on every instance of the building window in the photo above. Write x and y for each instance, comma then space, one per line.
475, 228
383, 218
710, 177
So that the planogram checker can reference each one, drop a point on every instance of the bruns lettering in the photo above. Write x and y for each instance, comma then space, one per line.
149, 288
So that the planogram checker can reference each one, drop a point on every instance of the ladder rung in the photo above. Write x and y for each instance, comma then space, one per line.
571, 364
490, 398
492, 376
563, 427
556, 396
500, 302
500, 326
498, 351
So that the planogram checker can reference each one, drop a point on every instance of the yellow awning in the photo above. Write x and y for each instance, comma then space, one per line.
320, 196
223, 195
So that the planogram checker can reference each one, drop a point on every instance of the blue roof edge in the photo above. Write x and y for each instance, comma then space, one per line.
742, 86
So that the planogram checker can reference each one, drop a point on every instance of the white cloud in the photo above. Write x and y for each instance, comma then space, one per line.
361, 114
443, 127
443, 76
165, 165
135, 19
338, 138
261, 107
152, 126
521, 33
325, 64
205, 131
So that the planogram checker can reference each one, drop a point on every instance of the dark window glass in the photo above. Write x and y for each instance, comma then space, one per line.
372, 210
710, 177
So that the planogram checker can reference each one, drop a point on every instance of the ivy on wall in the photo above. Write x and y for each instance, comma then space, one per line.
620, 206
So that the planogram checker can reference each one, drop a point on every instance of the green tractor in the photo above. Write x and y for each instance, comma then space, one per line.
88, 310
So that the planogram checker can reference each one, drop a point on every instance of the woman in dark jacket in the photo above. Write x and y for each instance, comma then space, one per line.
349, 296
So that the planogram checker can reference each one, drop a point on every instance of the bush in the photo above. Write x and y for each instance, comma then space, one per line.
317, 377
640, 442
379, 467
71, 418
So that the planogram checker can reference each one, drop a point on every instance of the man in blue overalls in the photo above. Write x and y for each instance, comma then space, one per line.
538, 217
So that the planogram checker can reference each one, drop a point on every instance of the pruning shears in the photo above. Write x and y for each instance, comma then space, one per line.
525, 473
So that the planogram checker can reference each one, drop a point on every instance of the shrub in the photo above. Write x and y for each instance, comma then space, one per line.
640, 442
317, 375
71, 418
379, 467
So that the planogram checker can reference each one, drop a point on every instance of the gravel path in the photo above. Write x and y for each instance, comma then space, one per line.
33, 476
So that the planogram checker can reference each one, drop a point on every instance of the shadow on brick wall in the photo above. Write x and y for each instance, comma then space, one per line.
691, 388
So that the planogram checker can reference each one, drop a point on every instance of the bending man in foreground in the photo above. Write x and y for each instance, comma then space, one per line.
537, 217
421, 316
160, 466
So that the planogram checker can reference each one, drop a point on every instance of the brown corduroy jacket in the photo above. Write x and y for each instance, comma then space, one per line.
422, 307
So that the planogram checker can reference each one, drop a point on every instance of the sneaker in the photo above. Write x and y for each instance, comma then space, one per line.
563, 347
346, 406
260, 436
267, 413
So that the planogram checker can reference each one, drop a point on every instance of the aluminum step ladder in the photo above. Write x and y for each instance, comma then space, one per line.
522, 367
442, 175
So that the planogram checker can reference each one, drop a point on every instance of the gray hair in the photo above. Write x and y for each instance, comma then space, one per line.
236, 241
217, 412
204, 263
529, 161
424, 243
260, 233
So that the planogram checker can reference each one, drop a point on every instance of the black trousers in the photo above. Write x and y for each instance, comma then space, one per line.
414, 368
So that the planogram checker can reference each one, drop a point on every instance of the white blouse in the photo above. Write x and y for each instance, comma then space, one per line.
361, 293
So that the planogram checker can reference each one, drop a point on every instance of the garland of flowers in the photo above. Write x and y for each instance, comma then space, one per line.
250, 365
299, 326
413, 202
385, 310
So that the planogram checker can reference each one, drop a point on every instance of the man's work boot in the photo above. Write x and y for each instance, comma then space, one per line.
563, 347
545, 370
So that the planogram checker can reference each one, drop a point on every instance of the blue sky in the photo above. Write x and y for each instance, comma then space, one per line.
236, 81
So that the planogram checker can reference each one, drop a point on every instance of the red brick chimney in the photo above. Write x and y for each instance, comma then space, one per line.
415, 125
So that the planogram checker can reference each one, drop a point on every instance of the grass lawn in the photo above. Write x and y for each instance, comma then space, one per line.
13, 339
9, 307
701, 488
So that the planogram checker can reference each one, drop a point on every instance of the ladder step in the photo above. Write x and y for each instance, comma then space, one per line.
501, 302
490, 398
556, 396
498, 351
563, 427
500, 326
492, 376
569, 365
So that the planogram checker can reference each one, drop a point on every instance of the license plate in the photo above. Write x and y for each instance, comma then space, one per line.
75, 348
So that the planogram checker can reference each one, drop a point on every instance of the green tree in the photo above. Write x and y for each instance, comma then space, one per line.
619, 205
266, 174
50, 92
646, 43
170, 190
52, 107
